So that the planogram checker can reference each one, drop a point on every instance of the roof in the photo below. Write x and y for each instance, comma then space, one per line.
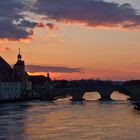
6, 72
38, 79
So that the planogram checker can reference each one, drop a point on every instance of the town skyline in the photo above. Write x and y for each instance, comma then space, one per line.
73, 46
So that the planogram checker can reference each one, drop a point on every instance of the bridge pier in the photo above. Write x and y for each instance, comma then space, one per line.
134, 90
105, 98
135, 96
105, 94
77, 96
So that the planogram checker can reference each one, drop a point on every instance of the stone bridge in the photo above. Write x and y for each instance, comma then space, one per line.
77, 93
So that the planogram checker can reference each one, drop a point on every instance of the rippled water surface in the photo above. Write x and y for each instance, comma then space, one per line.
64, 120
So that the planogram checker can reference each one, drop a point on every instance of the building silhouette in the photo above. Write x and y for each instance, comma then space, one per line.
19, 68
14, 82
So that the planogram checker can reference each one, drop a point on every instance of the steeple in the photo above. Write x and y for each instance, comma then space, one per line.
19, 67
19, 57
48, 75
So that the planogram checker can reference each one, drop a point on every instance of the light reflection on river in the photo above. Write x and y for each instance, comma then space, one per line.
64, 120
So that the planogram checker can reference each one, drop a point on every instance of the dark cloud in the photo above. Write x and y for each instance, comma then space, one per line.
10, 31
16, 23
27, 24
51, 26
89, 12
10, 12
13, 23
36, 68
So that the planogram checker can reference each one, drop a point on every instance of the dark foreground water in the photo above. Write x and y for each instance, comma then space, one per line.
63, 120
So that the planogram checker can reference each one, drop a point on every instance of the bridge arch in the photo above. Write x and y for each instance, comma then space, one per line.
117, 95
91, 95
105, 94
78, 93
102, 93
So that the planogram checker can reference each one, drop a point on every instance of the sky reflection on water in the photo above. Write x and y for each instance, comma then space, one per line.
64, 120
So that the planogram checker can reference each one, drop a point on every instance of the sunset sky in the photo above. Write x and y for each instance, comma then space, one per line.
73, 39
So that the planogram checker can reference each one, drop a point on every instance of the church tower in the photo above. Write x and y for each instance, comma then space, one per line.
19, 68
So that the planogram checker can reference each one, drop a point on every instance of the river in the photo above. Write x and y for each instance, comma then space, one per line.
64, 120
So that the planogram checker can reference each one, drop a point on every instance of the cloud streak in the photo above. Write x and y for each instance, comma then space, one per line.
57, 69
92, 13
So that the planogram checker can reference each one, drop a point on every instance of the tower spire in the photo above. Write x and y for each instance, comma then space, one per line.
19, 50
19, 57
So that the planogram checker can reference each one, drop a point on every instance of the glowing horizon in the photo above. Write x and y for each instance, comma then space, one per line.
76, 44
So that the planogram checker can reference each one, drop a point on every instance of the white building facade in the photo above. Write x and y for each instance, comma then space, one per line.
10, 90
